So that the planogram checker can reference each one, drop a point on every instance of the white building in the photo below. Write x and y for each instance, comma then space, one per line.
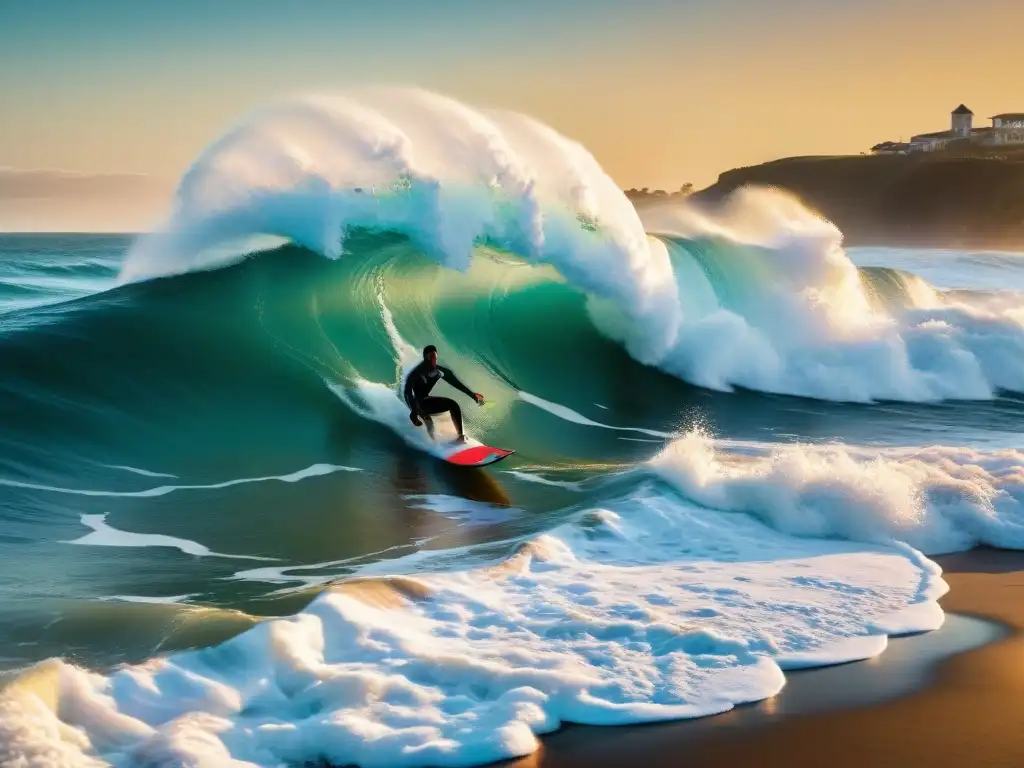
962, 119
1007, 128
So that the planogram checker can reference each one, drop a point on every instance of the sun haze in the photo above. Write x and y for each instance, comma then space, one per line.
662, 93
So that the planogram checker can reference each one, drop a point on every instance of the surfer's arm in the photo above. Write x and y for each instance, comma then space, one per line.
410, 395
452, 379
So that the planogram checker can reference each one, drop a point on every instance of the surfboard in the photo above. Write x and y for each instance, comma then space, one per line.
476, 455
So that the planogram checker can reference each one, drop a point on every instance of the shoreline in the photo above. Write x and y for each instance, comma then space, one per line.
961, 707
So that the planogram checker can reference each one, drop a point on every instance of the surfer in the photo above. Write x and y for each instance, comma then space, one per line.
422, 406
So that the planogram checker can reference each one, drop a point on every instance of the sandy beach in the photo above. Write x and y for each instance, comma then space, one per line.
966, 713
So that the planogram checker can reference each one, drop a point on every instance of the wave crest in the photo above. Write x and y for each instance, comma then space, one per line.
759, 295
449, 177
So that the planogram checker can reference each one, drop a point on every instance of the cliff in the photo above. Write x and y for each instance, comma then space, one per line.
941, 199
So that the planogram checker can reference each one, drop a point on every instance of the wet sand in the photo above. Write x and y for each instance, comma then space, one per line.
963, 710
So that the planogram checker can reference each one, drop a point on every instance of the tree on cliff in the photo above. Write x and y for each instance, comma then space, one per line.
641, 194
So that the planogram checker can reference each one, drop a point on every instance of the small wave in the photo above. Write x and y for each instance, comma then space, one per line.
137, 471
937, 499
568, 414
532, 477
151, 599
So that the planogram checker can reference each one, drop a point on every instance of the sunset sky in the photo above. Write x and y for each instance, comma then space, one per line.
661, 91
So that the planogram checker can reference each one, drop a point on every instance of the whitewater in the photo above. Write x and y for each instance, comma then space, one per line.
738, 446
788, 313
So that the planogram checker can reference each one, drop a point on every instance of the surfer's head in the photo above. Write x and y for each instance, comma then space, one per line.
430, 355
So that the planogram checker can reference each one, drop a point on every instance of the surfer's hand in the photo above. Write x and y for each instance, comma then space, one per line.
415, 419
479, 398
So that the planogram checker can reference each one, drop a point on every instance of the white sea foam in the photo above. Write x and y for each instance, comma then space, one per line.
138, 471
104, 535
645, 609
567, 414
150, 599
937, 499
295, 574
533, 477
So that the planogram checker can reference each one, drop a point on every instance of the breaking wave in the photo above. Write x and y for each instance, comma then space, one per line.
760, 295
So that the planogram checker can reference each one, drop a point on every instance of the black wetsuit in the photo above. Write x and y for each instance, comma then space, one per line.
421, 380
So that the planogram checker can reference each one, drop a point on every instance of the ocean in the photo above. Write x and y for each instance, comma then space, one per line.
738, 444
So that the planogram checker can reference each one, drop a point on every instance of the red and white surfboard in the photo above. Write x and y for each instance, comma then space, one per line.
477, 456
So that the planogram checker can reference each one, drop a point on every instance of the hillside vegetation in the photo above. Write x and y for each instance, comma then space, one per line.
972, 199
